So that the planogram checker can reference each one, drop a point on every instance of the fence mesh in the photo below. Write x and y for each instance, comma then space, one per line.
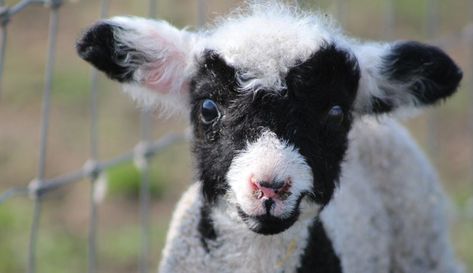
146, 148
93, 168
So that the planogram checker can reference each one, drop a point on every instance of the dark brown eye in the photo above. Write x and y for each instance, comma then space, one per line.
209, 111
335, 114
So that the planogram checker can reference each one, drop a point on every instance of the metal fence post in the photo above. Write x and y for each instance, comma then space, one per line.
430, 29
53, 28
470, 42
341, 11
389, 19
201, 12
143, 165
4, 18
93, 171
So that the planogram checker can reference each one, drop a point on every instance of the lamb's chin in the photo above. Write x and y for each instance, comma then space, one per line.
268, 224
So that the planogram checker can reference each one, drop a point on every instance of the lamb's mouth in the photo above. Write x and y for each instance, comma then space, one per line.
268, 224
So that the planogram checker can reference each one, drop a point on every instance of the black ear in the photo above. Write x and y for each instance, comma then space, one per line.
150, 57
99, 47
406, 74
427, 72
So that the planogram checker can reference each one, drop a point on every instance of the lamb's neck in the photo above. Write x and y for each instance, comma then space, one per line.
225, 235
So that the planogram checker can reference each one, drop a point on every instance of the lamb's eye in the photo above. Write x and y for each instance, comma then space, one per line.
209, 111
336, 114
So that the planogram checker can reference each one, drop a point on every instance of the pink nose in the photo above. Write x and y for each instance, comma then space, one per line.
268, 192
271, 189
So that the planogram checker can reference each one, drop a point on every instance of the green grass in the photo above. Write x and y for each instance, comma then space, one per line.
462, 235
63, 249
125, 181
14, 224
123, 244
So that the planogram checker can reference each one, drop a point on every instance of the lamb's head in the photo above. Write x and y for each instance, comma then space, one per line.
272, 94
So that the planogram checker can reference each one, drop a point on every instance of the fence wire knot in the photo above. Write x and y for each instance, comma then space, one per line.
4, 16
142, 153
92, 169
53, 4
34, 188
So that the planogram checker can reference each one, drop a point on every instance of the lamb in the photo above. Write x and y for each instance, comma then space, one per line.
299, 167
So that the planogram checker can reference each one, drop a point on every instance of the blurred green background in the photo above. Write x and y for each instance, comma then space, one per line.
63, 232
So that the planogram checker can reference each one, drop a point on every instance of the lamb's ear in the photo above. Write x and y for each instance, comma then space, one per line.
403, 74
151, 58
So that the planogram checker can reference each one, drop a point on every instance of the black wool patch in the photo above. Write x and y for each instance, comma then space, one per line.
214, 151
99, 47
430, 74
206, 228
319, 255
384, 105
329, 78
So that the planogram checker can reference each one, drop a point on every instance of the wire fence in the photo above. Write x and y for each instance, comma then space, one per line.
93, 168
146, 148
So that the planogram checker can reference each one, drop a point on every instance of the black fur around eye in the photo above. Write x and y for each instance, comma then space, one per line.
209, 111
335, 114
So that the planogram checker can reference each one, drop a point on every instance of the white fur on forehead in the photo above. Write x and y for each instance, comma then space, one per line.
266, 40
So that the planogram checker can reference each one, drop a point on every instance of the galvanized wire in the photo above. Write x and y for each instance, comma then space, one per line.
17, 191
432, 118
341, 11
389, 21
51, 55
143, 163
25, 3
470, 42
3, 43
53, 28
34, 235
48, 185
201, 12
5, 14
38, 189
94, 157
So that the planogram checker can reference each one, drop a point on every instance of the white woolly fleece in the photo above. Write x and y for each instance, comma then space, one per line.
266, 40
387, 215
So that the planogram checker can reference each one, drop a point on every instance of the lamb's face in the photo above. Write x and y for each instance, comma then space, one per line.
266, 150
272, 95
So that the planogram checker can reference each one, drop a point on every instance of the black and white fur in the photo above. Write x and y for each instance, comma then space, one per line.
294, 174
